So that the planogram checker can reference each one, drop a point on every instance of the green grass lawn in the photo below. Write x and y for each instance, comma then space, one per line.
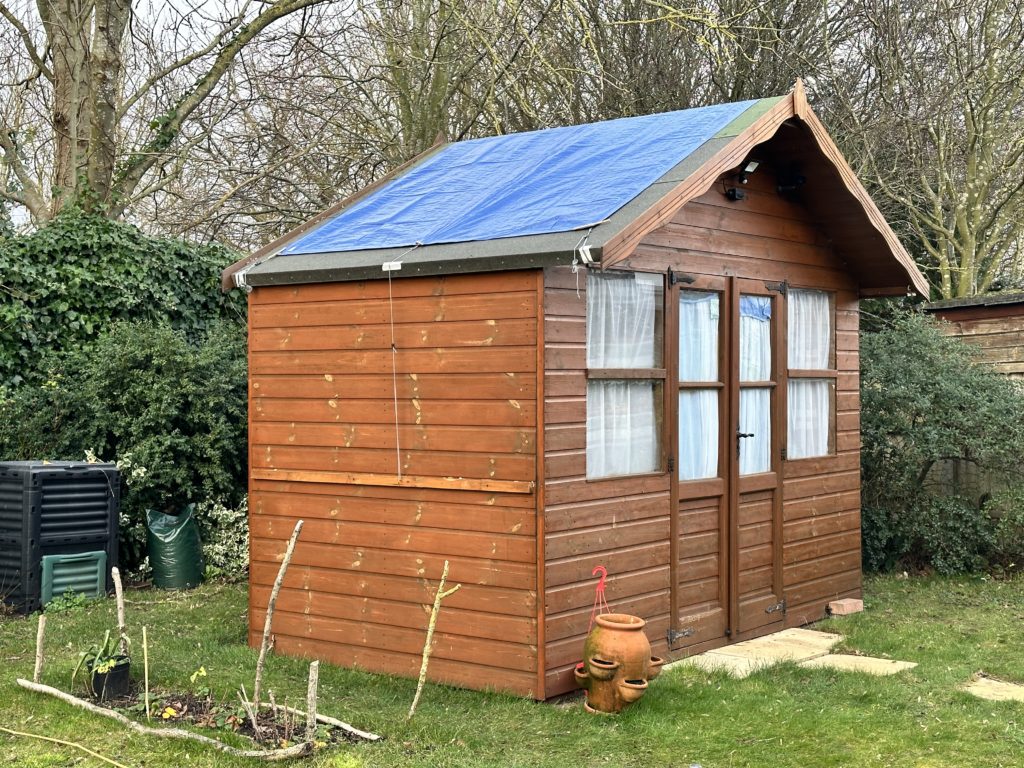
783, 716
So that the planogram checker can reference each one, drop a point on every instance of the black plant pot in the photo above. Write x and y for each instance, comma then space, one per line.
114, 683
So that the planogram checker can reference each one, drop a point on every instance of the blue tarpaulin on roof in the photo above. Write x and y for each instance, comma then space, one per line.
554, 180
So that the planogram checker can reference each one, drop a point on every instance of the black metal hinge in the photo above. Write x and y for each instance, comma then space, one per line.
782, 287
780, 606
679, 277
675, 635
671, 464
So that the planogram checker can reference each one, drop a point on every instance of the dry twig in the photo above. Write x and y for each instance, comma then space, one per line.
40, 633
441, 595
119, 594
289, 551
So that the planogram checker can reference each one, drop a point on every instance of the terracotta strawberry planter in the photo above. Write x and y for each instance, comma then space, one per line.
617, 663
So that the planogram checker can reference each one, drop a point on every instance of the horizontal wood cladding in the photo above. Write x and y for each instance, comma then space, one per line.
323, 409
996, 341
622, 524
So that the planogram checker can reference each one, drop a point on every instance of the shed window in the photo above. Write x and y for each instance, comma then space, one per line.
700, 385
625, 373
812, 374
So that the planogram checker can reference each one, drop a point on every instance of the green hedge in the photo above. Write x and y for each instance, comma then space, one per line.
924, 401
170, 408
61, 285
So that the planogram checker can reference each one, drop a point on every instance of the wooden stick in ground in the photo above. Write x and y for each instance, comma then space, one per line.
298, 750
145, 670
333, 721
314, 682
119, 594
40, 634
250, 711
72, 744
427, 646
270, 614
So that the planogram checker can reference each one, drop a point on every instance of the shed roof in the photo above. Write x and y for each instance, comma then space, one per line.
528, 200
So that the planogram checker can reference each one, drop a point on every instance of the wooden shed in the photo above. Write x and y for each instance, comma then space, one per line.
993, 324
632, 343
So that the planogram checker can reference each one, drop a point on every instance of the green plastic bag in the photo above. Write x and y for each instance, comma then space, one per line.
175, 550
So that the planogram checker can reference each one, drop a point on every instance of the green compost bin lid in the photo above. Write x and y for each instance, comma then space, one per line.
84, 573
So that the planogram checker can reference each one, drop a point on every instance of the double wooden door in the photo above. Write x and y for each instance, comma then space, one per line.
726, 410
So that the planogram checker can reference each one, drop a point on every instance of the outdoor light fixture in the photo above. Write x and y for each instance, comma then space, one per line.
748, 169
735, 193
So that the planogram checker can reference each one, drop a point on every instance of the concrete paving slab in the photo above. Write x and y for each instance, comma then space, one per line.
995, 690
714, 661
867, 664
787, 645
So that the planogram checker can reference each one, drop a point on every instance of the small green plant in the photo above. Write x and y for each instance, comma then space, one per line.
69, 602
97, 660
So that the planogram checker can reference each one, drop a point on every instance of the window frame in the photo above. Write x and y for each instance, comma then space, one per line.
657, 376
823, 374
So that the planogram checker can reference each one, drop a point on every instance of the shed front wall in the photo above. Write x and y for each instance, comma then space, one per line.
627, 524
323, 449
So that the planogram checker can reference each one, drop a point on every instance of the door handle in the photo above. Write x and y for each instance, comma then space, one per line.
741, 436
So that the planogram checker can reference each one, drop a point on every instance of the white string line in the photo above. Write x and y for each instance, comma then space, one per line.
394, 365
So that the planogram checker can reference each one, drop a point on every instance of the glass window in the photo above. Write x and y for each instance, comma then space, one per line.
698, 365
755, 422
625, 372
812, 383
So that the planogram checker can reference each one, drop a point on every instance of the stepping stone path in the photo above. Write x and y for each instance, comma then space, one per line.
805, 647
995, 690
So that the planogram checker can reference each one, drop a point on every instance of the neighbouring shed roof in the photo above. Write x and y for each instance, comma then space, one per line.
527, 200
985, 300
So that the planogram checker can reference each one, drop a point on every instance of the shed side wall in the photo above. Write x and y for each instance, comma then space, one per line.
996, 333
370, 556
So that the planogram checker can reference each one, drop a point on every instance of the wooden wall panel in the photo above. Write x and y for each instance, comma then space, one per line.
995, 334
621, 524
368, 561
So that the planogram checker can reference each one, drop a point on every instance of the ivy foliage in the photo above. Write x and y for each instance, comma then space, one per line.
170, 408
62, 284
929, 411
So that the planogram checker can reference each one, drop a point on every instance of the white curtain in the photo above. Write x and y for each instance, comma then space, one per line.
698, 362
622, 332
622, 436
810, 329
698, 434
755, 365
810, 400
698, 336
755, 420
755, 338
621, 317
810, 406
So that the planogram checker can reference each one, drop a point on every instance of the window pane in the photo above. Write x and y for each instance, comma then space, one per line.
755, 420
698, 336
622, 427
755, 338
698, 434
810, 417
624, 320
810, 329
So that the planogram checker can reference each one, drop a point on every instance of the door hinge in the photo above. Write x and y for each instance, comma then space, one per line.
671, 464
679, 277
782, 287
783, 454
675, 635
780, 606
